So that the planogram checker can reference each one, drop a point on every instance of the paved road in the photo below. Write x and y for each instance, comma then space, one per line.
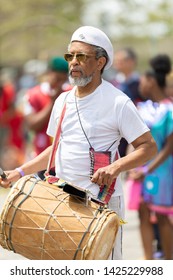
132, 249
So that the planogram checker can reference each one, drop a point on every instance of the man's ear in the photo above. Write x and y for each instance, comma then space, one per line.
101, 62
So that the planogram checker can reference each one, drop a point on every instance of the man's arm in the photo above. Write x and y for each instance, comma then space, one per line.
144, 149
162, 155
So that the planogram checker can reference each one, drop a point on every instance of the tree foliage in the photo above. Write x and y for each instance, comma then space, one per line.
146, 26
36, 29
32, 29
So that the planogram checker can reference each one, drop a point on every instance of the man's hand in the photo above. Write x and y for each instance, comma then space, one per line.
105, 175
7, 177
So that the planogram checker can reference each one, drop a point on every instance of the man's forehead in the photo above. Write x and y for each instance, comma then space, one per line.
80, 46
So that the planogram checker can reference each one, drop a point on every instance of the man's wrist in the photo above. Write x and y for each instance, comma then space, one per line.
21, 172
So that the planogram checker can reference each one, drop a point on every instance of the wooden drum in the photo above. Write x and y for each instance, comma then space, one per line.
42, 222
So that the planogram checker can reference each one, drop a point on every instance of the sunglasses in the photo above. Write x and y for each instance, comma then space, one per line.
81, 57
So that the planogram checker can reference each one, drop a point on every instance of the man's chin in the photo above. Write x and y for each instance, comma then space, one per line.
80, 82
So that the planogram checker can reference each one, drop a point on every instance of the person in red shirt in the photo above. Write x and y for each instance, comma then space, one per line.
11, 120
7, 98
12, 136
40, 100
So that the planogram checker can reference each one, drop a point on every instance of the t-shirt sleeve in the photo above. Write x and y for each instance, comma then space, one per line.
51, 129
130, 123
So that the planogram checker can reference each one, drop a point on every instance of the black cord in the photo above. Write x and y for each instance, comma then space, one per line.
81, 123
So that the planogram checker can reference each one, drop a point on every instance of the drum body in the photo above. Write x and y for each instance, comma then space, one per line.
40, 221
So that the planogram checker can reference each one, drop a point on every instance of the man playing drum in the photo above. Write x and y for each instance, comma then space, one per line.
97, 116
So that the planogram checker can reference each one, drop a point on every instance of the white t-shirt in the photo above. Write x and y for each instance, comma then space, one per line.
106, 115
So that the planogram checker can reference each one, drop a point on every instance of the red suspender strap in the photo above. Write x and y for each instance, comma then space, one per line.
56, 141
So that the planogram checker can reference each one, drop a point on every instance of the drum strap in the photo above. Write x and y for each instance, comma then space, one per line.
49, 178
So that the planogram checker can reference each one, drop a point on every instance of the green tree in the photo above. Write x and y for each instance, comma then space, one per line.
146, 26
36, 29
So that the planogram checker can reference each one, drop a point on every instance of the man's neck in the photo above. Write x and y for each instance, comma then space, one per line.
87, 90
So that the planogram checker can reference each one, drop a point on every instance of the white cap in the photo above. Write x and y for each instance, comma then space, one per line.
94, 36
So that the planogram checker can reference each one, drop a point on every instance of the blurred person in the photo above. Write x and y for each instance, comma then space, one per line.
11, 119
157, 176
7, 97
11, 157
127, 77
39, 101
169, 85
30, 73
94, 122
127, 80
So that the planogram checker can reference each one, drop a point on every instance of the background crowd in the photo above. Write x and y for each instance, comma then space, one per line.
25, 106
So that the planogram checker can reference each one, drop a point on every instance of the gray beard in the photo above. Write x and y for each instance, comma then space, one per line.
80, 82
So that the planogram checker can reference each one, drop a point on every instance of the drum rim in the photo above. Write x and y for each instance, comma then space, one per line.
107, 213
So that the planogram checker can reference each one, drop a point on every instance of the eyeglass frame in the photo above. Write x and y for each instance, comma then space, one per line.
77, 55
